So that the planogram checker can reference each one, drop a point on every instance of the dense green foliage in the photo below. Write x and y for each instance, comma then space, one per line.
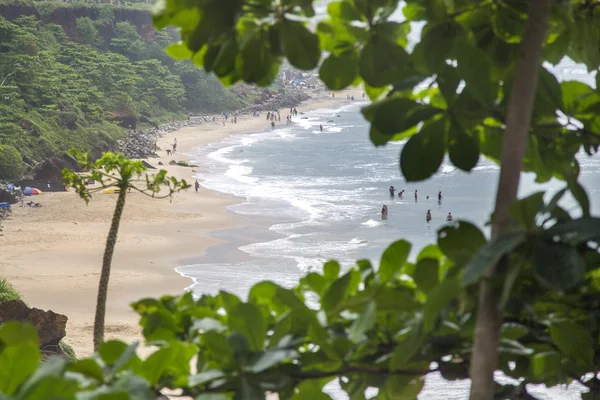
388, 327
8, 291
11, 163
56, 94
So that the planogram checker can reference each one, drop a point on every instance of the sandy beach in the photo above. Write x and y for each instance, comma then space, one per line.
53, 254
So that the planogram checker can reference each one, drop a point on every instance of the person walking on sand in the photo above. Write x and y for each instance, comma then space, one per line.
174, 146
196, 186
428, 216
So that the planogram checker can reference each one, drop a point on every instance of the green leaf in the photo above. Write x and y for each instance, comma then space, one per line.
248, 390
423, 154
88, 368
490, 254
437, 299
508, 24
475, 68
364, 322
414, 12
393, 259
265, 360
18, 362
545, 365
205, 376
339, 71
400, 387
178, 51
574, 341
331, 270
576, 231
343, 10
256, 60
383, 62
460, 241
580, 195
426, 274
557, 266
336, 292
574, 94
524, 211
513, 330
398, 114
300, 46
407, 348
463, 149
213, 396
15, 333
247, 319
53, 367
548, 97
436, 46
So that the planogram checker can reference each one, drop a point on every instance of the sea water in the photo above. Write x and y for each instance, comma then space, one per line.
312, 195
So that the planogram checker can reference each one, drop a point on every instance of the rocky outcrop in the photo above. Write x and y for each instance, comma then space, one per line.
50, 326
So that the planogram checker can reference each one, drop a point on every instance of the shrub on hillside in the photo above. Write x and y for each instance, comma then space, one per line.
11, 163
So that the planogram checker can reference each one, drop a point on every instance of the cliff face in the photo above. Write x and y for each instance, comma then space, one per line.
67, 18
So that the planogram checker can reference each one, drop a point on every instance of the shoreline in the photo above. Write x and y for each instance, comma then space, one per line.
53, 254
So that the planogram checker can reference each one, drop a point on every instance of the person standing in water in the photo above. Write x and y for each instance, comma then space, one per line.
449, 218
384, 211
400, 194
392, 191
428, 216
321, 127
440, 196
416, 196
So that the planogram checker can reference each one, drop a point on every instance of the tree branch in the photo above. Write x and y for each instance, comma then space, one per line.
518, 119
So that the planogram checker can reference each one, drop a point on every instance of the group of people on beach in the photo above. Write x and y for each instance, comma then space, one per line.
428, 217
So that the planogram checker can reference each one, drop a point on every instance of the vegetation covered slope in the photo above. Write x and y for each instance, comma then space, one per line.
56, 93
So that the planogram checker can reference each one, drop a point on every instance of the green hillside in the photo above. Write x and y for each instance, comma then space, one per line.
59, 91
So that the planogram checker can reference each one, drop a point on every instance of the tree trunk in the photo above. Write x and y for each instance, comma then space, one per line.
111, 240
484, 360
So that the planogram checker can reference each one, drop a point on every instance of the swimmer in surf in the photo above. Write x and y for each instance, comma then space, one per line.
392, 191
321, 126
428, 216
449, 218
384, 211
416, 196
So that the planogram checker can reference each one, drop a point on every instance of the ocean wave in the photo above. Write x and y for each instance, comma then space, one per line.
372, 223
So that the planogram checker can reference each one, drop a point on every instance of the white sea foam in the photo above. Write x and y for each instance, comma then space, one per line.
372, 223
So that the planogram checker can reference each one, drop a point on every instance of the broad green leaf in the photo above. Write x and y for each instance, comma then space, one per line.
393, 259
437, 299
331, 270
414, 12
229, 301
524, 211
336, 292
363, 323
508, 346
436, 46
52, 367
423, 154
344, 10
508, 24
248, 390
256, 60
138, 388
18, 362
548, 97
398, 114
490, 254
205, 376
178, 51
300, 46
580, 195
406, 349
338, 72
545, 365
574, 341
460, 241
247, 319
402, 387
56, 388
426, 274
513, 330
14, 333
88, 368
557, 266
463, 148
448, 80
383, 62
574, 95
576, 231
475, 68
266, 359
